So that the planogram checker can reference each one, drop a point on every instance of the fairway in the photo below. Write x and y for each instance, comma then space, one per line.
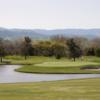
81, 89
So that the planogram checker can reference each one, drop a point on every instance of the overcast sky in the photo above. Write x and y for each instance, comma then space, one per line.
50, 14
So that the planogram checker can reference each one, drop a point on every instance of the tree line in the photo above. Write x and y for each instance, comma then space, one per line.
57, 46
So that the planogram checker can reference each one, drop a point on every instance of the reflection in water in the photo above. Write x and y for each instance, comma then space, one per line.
8, 75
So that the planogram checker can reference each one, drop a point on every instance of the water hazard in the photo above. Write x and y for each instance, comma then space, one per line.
8, 75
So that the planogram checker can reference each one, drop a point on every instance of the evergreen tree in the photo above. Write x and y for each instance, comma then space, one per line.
27, 47
74, 49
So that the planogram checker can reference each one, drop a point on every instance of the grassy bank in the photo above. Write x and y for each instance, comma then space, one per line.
81, 89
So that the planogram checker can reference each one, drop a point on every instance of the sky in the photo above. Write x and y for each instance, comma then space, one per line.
50, 14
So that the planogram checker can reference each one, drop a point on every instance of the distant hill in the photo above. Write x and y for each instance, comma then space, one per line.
88, 33
19, 33
44, 34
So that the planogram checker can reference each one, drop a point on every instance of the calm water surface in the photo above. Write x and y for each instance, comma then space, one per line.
8, 75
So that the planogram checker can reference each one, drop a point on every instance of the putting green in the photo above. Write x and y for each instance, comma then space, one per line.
64, 64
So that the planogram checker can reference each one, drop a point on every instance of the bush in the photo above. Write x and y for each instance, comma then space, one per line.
58, 56
90, 52
97, 52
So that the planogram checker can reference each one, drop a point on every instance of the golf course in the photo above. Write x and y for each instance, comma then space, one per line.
50, 50
50, 65
76, 89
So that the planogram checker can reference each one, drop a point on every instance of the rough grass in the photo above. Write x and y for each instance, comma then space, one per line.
81, 89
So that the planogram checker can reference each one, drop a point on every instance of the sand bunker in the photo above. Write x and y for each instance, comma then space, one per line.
92, 68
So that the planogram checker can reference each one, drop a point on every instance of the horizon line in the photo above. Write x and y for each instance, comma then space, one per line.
47, 28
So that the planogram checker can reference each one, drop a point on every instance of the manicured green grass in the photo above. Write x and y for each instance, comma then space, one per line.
56, 70
81, 89
65, 64
40, 64
62, 66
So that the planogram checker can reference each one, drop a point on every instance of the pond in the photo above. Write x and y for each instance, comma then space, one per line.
8, 75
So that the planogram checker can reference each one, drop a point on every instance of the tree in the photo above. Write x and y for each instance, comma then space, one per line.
90, 51
26, 47
74, 49
59, 50
43, 48
2, 50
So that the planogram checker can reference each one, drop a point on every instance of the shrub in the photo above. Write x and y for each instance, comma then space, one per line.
97, 52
